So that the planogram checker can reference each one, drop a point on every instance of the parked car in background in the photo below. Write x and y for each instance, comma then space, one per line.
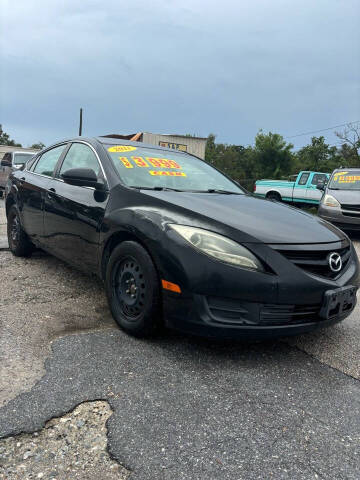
340, 203
177, 242
12, 161
301, 191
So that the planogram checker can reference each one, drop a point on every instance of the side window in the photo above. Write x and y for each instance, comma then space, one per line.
80, 156
319, 177
47, 162
304, 178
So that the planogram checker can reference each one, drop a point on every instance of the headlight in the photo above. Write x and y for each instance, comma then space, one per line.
330, 201
219, 247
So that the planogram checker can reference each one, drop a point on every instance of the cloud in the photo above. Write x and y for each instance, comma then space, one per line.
171, 66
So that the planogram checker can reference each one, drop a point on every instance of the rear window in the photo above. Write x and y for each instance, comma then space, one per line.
153, 168
345, 180
319, 178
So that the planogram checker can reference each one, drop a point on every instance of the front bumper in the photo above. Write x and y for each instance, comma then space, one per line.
346, 220
225, 318
221, 301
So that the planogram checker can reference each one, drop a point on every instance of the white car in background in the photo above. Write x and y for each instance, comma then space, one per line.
12, 161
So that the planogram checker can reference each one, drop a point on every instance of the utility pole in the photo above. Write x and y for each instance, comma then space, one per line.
80, 124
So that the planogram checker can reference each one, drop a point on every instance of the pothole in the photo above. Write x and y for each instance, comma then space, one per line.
73, 446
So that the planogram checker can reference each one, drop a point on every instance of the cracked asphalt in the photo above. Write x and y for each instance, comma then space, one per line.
181, 407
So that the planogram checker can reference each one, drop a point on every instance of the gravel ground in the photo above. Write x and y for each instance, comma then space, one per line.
3, 238
42, 299
182, 408
71, 447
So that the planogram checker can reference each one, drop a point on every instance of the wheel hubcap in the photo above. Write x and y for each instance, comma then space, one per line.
130, 288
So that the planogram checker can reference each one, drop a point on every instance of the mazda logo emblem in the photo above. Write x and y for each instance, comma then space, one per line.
335, 262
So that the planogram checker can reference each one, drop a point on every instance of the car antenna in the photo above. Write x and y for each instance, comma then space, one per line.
80, 122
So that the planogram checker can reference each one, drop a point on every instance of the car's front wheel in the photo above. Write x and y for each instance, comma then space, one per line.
133, 291
19, 242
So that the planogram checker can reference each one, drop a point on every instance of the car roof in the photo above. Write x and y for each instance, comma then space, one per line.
345, 168
24, 151
117, 141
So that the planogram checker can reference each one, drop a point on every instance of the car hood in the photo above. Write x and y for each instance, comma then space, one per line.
346, 196
263, 220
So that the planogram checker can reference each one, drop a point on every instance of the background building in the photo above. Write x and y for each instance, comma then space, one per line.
184, 143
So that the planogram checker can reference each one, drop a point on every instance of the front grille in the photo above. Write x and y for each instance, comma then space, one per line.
228, 311
347, 226
355, 208
350, 210
289, 314
316, 261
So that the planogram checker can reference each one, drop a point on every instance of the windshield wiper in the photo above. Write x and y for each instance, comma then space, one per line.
169, 189
159, 189
225, 192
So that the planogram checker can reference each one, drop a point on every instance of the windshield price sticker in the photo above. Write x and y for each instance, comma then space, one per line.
167, 174
126, 162
139, 161
339, 174
162, 162
150, 161
121, 148
348, 179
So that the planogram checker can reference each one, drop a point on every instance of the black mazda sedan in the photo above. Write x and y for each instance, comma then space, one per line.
178, 243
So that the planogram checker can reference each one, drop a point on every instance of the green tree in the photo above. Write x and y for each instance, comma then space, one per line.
273, 155
348, 156
5, 139
318, 156
39, 145
350, 137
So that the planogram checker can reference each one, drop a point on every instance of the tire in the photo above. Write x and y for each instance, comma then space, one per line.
19, 242
274, 196
133, 291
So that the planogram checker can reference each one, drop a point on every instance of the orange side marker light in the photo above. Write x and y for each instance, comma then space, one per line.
170, 286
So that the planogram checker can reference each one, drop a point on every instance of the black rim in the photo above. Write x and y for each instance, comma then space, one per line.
129, 288
15, 229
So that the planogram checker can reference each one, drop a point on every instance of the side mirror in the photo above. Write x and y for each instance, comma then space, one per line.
320, 186
5, 163
82, 177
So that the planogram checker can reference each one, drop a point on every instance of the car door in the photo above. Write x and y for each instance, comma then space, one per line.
73, 214
313, 195
32, 186
299, 192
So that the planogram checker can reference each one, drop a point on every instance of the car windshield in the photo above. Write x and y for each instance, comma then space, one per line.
346, 180
21, 158
152, 168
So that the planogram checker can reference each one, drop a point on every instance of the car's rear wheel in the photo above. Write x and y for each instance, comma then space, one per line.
19, 242
274, 196
133, 291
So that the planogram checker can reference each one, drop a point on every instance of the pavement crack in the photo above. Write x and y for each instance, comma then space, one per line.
313, 357
68, 445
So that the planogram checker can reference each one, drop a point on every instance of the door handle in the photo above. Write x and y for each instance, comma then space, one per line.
51, 190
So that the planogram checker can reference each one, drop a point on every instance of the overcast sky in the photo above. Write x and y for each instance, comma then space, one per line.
229, 67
